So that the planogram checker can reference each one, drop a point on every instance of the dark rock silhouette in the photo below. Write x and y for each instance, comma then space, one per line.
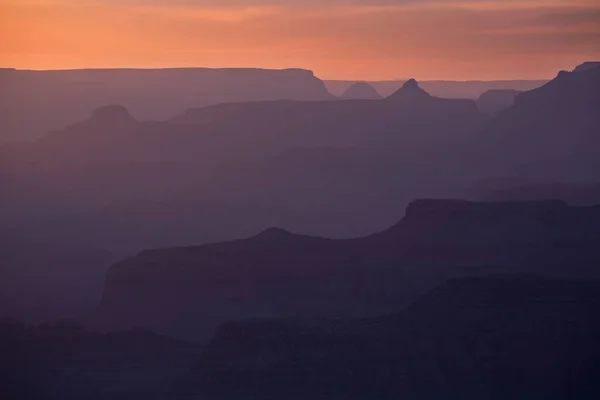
361, 90
494, 101
188, 291
494, 337
514, 336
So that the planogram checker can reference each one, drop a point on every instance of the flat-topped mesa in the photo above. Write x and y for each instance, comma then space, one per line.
299, 72
113, 113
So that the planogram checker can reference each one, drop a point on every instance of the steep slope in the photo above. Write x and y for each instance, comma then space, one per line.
550, 132
189, 291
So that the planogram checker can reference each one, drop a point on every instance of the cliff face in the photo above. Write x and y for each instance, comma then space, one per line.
497, 337
189, 291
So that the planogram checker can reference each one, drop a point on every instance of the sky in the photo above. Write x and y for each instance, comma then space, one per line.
337, 39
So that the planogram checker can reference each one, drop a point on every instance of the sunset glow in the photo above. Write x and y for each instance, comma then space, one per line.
338, 39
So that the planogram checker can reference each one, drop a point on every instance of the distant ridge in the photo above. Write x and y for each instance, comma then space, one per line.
149, 94
440, 88
361, 90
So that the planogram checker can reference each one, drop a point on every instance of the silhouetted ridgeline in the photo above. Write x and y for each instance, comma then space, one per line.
188, 291
445, 89
327, 168
34, 102
550, 133
227, 170
517, 337
336, 168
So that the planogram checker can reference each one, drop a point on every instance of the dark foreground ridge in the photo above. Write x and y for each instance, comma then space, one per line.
497, 337
505, 337
189, 291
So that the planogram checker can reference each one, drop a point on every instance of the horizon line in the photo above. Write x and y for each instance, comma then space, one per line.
342, 79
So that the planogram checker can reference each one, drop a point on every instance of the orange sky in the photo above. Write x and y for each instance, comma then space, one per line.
338, 39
